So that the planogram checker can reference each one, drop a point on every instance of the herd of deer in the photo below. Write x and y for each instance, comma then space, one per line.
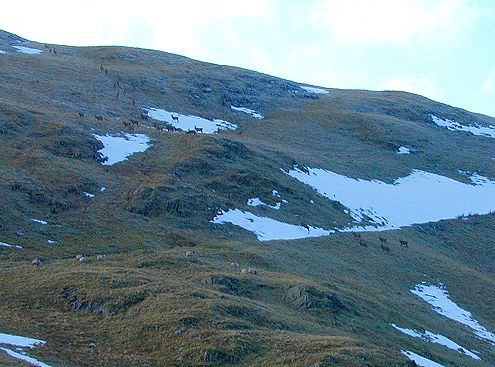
131, 123
383, 242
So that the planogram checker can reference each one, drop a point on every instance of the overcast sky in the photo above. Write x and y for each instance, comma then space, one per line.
442, 49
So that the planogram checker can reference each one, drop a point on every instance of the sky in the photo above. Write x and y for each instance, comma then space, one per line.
442, 49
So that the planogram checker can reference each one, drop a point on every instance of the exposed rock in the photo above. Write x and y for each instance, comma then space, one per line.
304, 298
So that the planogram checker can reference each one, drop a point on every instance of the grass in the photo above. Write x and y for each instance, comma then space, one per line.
148, 304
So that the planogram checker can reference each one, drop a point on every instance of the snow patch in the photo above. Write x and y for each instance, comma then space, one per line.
314, 90
2, 52
475, 129
88, 194
102, 189
20, 342
119, 148
250, 112
39, 221
27, 50
420, 197
3, 244
258, 202
24, 357
267, 229
51, 242
420, 360
437, 339
404, 150
189, 122
438, 297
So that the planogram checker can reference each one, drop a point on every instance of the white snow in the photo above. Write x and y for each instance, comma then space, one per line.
249, 111
51, 242
88, 194
420, 360
27, 50
8, 245
267, 229
258, 202
314, 89
24, 358
437, 339
39, 221
119, 148
438, 297
189, 122
404, 150
103, 189
21, 342
475, 129
420, 197
2, 52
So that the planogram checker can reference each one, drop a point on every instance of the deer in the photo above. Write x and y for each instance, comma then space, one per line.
144, 116
198, 129
403, 243
99, 117
81, 114
175, 118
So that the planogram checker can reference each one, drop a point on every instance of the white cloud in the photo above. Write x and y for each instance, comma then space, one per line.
488, 86
391, 20
423, 85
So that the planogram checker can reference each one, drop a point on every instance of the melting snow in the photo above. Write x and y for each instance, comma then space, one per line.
437, 339
313, 89
189, 122
24, 357
404, 150
420, 360
488, 131
27, 50
119, 148
438, 297
267, 229
258, 202
2, 52
39, 221
8, 245
88, 194
103, 189
253, 113
420, 197
51, 242
21, 342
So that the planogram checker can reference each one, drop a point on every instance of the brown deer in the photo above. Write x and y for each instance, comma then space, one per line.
175, 118
403, 243
99, 117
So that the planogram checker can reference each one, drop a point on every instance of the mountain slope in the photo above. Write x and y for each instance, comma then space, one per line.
314, 301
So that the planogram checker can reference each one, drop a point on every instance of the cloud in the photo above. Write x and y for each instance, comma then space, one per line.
397, 21
423, 85
488, 86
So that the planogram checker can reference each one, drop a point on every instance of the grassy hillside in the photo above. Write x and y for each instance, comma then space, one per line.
314, 302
